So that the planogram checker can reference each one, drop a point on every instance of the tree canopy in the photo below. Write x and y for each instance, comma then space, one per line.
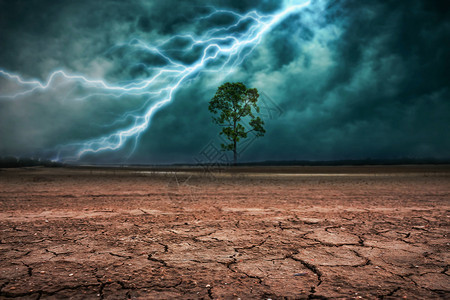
234, 107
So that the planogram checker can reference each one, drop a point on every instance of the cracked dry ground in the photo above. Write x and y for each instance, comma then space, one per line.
117, 234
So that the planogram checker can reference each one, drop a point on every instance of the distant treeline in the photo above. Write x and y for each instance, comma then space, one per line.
359, 162
14, 162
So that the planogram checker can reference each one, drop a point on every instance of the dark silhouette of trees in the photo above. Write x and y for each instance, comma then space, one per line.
13, 162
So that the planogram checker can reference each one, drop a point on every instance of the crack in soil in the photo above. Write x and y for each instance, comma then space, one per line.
331, 244
3, 285
57, 254
210, 295
390, 294
311, 267
260, 279
161, 261
29, 269
121, 256
166, 247
252, 246
366, 263
101, 288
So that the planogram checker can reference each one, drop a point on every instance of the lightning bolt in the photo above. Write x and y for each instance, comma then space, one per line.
222, 50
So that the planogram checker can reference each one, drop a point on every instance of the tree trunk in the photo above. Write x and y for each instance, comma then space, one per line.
235, 152
234, 144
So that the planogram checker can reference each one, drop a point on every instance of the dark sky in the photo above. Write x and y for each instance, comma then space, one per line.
354, 79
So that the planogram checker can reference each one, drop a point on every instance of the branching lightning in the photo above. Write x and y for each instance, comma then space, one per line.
221, 49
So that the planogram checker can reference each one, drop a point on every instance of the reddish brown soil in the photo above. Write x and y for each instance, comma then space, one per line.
362, 232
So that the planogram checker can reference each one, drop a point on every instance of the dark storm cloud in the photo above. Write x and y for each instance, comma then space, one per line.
356, 79
383, 94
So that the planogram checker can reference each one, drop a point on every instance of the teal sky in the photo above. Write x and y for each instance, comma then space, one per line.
350, 79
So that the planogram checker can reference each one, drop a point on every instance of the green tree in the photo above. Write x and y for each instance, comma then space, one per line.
231, 104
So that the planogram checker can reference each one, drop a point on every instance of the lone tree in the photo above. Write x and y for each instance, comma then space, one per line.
230, 105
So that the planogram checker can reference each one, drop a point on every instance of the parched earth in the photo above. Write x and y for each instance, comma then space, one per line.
253, 233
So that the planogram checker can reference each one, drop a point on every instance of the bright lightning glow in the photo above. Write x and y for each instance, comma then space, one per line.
221, 50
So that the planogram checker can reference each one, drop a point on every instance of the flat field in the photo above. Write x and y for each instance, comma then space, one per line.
249, 233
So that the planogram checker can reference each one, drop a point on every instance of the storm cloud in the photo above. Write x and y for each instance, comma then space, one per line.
354, 79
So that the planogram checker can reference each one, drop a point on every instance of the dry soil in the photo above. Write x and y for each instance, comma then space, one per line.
293, 232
